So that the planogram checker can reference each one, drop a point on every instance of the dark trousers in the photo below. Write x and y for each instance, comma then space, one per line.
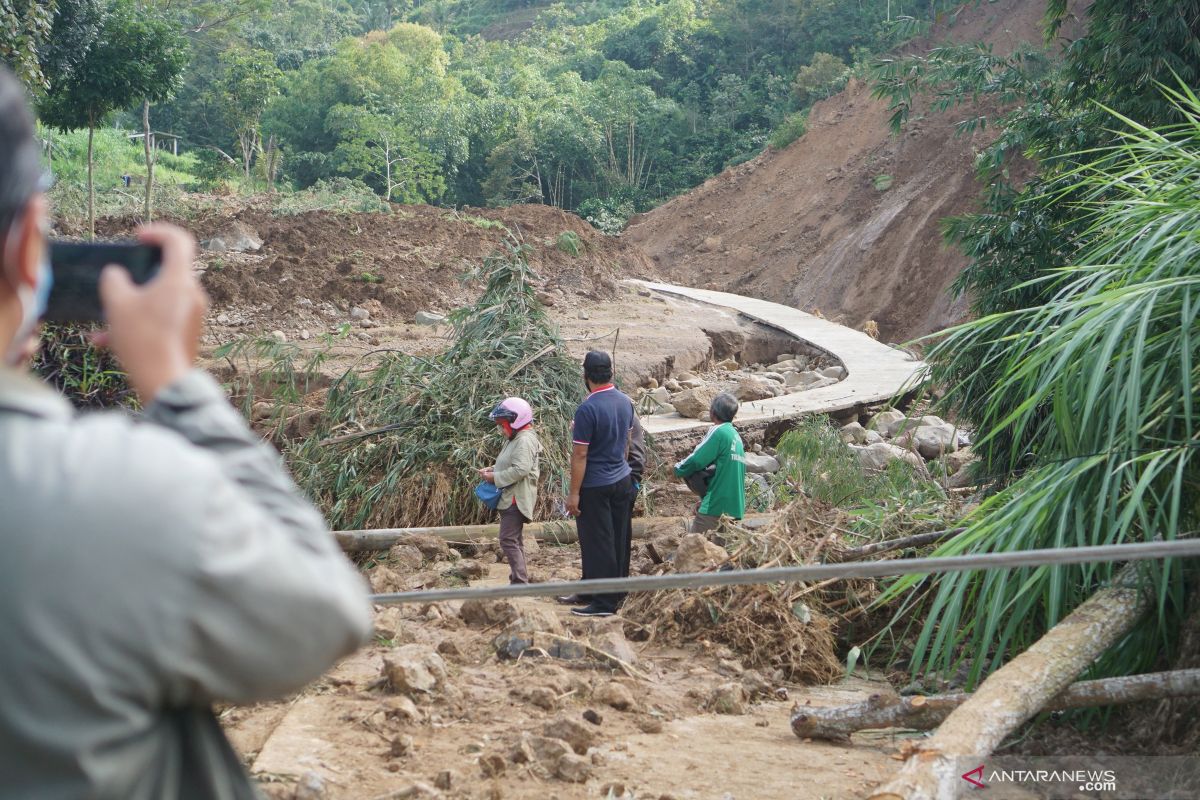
606, 535
512, 542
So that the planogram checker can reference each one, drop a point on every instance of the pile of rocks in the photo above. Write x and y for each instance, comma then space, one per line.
891, 436
690, 395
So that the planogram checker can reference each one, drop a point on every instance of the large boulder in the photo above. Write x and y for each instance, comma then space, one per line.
761, 464
696, 554
876, 457
888, 423
854, 433
694, 403
237, 238
751, 388
935, 440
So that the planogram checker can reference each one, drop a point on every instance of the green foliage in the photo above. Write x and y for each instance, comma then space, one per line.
794, 126
86, 375
1091, 405
25, 27
569, 242
882, 182
422, 470
826, 75
248, 81
377, 149
342, 195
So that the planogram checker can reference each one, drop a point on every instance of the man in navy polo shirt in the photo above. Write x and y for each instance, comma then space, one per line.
601, 486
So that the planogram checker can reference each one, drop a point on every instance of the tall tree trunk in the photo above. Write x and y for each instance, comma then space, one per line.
150, 159
91, 178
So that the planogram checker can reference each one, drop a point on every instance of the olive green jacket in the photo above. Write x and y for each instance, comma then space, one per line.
152, 567
516, 472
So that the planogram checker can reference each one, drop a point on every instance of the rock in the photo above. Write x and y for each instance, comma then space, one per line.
305, 335
545, 750
402, 745
573, 732
963, 478
729, 365
448, 648
414, 791
876, 457
358, 313
444, 780
711, 244
956, 460
389, 623
837, 373
888, 423
808, 378
543, 697
311, 787
764, 492
672, 385
545, 298
665, 408
761, 464
615, 789
872, 437
786, 365
593, 716
406, 556
536, 619
237, 238
750, 389
223, 319
413, 669
692, 383
401, 707
613, 642
934, 437
279, 336
650, 724
660, 395
756, 685
853, 433
492, 765
486, 613
694, 403
573, 768
685, 376
467, 569
695, 554
428, 318
651, 384
616, 695
728, 698
512, 645
792, 379
431, 547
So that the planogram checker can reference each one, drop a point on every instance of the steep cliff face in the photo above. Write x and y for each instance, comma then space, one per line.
847, 220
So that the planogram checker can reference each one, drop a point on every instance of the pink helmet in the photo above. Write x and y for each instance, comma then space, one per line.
515, 410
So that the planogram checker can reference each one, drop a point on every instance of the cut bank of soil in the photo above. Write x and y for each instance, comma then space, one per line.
806, 226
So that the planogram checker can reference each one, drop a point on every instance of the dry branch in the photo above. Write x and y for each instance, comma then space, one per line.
1020, 689
922, 713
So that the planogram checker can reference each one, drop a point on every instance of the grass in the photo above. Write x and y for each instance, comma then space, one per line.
86, 375
569, 242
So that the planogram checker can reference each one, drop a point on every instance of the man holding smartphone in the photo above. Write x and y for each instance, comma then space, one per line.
151, 566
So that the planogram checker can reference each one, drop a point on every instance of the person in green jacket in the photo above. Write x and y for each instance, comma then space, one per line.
720, 449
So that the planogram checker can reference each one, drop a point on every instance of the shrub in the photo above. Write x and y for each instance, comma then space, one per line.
792, 128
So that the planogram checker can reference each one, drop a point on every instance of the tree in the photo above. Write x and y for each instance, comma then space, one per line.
137, 57
824, 76
25, 27
249, 81
378, 149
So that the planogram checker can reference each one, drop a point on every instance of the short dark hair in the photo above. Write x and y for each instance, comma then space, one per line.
20, 156
724, 407
597, 366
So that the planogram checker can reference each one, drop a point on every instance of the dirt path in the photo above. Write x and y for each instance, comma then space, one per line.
347, 734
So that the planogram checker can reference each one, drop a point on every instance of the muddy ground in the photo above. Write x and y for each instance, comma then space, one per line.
357, 737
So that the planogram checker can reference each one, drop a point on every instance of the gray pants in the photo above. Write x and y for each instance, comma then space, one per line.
512, 542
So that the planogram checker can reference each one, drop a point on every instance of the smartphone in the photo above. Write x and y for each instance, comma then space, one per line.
75, 296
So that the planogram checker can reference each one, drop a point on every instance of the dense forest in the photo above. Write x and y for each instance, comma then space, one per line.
603, 107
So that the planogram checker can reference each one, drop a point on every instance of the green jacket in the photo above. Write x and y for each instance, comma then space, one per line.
722, 446
516, 472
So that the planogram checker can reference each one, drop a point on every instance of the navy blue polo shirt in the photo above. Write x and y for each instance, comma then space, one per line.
603, 422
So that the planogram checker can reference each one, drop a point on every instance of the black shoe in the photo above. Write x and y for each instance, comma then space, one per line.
591, 610
570, 599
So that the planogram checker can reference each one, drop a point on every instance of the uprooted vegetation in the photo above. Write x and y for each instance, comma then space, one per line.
398, 438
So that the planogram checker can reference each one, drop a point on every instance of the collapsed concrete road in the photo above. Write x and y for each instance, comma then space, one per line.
875, 372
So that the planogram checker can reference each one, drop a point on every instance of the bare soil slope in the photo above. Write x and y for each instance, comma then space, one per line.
807, 227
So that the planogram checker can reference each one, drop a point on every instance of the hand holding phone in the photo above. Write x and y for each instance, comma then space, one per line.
154, 329
76, 266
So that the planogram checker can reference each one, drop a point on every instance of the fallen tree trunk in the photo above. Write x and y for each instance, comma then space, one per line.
922, 713
1017, 691
556, 531
888, 545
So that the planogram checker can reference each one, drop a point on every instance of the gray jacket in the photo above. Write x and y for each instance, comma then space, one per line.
150, 567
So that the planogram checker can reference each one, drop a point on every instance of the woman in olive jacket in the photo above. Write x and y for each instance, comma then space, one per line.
516, 475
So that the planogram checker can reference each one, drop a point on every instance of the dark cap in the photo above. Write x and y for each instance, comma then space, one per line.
597, 359
20, 156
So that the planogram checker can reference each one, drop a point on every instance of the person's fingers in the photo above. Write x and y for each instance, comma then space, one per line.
115, 286
100, 339
178, 248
